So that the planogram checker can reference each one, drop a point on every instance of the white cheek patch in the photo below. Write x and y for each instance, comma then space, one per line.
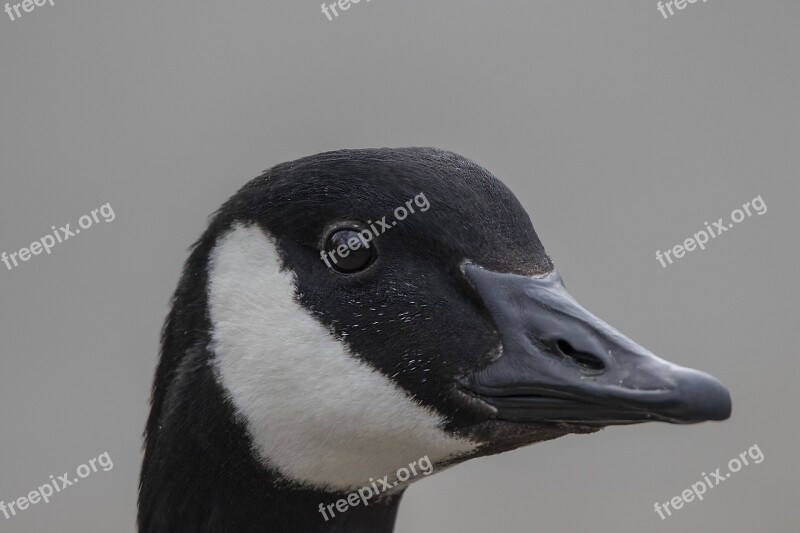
314, 412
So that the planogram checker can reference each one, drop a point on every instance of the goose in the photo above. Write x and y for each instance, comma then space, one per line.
353, 312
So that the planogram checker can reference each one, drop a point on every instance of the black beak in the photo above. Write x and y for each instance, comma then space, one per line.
560, 363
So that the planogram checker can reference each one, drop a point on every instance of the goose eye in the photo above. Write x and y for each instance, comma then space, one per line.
347, 252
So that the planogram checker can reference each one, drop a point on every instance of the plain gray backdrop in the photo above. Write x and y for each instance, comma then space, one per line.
620, 132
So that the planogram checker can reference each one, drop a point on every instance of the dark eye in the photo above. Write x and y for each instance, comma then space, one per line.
347, 251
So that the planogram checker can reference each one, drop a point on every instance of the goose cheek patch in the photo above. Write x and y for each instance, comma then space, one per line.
315, 413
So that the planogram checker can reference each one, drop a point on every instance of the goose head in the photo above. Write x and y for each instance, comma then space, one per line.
351, 312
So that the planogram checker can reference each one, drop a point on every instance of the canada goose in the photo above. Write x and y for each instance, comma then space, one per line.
288, 379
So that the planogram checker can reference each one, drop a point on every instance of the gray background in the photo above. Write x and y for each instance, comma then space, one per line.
621, 133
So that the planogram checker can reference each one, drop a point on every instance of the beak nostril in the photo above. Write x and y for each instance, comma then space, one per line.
583, 359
